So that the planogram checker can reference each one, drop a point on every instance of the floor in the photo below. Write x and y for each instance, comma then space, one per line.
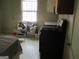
30, 48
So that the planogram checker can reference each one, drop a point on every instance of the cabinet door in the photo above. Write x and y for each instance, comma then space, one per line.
65, 6
50, 6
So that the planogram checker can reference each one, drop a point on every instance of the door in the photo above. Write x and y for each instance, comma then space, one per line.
71, 50
68, 47
75, 39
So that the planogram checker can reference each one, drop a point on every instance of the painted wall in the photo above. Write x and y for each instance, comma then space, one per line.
75, 40
11, 10
0, 20
43, 14
72, 37
1, 13
68, 49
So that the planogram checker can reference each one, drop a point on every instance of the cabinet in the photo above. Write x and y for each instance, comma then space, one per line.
60, 6
51, 41
65, 6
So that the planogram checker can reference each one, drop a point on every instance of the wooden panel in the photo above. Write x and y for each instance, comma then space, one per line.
65, 6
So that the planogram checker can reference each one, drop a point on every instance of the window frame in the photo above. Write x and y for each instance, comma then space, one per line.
29, 11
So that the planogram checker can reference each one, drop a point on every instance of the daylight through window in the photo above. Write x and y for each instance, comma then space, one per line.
29, 10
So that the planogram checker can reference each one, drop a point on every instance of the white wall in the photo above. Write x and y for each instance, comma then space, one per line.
43, 15
75, 40
67, 49
11, 10
1, 18
0, 21
72, 51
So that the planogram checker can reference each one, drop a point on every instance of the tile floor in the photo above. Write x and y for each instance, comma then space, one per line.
30, 49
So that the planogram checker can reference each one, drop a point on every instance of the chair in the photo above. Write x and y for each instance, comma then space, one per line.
21, 29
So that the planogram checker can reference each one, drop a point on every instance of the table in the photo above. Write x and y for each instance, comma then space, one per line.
9, 46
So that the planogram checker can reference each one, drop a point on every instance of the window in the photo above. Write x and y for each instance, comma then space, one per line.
29, 10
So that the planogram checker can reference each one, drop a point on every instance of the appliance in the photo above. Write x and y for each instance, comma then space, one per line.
52, 38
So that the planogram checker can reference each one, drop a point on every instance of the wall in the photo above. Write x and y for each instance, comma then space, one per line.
68, 49
75, 40
11, 10
43, 15
72, 51
1, 17
0, 20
